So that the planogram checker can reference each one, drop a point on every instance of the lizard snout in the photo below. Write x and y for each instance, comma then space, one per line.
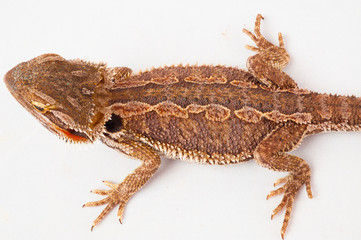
8, 79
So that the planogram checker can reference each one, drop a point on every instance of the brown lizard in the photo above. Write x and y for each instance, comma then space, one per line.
205, 114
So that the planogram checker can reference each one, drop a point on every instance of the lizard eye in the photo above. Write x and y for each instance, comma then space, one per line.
42, 108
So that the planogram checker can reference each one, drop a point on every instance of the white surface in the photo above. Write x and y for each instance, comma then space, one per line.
44, 181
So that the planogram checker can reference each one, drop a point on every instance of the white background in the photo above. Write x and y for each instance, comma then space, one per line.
44, 181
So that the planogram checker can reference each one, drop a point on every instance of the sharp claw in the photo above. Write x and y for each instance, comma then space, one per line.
110, 184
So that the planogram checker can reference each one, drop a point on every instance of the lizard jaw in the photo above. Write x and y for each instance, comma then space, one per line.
71, 134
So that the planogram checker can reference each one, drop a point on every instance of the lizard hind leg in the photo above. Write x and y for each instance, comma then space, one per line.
269, 61
271, 153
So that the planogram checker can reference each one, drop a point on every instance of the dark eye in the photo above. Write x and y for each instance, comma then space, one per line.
40, 107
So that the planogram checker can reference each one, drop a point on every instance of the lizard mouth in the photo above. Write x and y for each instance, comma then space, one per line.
71, 134
63, 130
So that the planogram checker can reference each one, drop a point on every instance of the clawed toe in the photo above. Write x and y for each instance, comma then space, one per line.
292, 184
110, 184
286, 202
281, 180
96, 203
281, 189
100, 192
269, 61
250, 34
276, 192
105, 192
257, 37
115, 196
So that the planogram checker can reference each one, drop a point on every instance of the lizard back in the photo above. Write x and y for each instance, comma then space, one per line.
215, 115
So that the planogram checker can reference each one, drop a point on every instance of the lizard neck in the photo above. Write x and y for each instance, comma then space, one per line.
335, 113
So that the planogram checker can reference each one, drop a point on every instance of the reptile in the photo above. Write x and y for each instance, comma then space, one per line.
204, 114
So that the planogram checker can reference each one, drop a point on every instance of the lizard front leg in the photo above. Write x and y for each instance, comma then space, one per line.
269, 61
122, 192
271, 153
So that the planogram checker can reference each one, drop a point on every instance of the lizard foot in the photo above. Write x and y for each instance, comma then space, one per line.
117, 194
277, 56
292, 184
122, 192
269, 61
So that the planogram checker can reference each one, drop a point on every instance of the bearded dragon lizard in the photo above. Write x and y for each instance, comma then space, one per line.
205, 114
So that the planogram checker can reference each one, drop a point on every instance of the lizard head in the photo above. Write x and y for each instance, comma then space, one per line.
59, 93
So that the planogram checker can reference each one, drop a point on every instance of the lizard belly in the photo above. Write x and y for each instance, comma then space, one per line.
198, 139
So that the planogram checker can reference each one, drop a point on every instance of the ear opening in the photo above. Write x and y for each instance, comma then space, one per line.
114, 124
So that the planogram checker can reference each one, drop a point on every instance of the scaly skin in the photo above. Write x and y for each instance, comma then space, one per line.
205, 114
